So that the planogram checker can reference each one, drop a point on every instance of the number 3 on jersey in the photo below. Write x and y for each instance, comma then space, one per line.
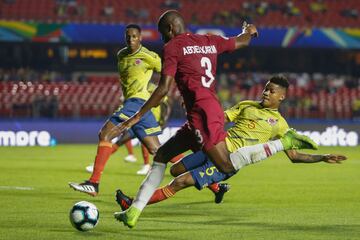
206, 81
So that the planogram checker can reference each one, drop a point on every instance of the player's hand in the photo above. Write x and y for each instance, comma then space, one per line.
124, 126
250, 28
334, 158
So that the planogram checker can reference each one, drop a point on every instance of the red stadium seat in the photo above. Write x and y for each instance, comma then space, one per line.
205, 10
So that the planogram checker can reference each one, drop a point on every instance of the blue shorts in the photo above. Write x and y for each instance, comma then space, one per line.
147, 126
202, 170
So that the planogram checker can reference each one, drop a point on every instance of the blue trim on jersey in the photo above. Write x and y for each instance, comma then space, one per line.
202, 170
129, 108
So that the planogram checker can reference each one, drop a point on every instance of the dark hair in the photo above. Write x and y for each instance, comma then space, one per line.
132, 25
280, 80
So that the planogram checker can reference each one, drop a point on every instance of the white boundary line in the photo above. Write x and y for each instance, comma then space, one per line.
16, 188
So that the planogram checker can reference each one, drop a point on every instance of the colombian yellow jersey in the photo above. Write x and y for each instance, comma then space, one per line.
253, 124
163, 106
135, 70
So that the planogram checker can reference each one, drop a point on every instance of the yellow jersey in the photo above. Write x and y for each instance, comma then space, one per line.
135, 70
161, 111
253, 124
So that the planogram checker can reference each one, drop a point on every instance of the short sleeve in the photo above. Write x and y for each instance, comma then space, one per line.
283, 127
170, 60
223, 44
234, 111
154, 61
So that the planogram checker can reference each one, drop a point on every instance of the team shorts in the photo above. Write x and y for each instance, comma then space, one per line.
205, 126
147, 126
203, 170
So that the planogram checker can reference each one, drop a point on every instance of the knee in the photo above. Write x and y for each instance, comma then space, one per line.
181, 182
174, 171
226, 167
177, 169
102, 135
153, 150
159, 156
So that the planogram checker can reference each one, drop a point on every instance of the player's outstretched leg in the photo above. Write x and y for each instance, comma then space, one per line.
86, 187
294, 140
219, 195
128, 217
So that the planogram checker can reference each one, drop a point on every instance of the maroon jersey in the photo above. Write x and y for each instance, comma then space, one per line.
191, 59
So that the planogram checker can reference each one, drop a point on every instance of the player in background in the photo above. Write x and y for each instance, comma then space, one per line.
130, 157
135, 65
190, 60
161, 114
254, 123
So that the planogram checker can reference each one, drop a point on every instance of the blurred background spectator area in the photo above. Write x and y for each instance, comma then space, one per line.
269, 13
316, 96
45, 76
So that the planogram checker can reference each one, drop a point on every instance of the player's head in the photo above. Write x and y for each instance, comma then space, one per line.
133, 36
170, 24
275, 91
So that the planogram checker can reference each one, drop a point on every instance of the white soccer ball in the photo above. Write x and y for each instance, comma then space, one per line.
84, 216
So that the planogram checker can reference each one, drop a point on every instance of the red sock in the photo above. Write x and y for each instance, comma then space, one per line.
102, 156
129, 147
214, 187
115, 147
145, 154
161, 194
177, 158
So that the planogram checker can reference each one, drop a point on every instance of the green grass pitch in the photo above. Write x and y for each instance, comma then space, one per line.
274, 199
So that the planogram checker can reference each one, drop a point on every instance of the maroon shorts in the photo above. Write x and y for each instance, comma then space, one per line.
204, 128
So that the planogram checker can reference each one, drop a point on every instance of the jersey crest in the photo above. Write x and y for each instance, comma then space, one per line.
138, 61
272, 121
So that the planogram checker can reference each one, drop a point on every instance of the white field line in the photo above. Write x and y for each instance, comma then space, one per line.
16, 188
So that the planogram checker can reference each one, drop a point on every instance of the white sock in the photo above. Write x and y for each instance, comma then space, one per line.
253, 154
149, 185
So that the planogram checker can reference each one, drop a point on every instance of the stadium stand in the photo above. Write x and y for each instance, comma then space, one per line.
316, 96
270, 13
29, 93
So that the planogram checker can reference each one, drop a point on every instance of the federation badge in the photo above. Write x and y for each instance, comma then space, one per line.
272, 121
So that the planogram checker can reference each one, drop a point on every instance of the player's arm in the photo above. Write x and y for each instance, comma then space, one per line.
154, 62
230, 114
165, 111
153, 101
244, 38
297, 157
226, 118
166, 80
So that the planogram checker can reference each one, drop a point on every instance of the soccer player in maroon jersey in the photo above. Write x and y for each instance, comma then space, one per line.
190, 60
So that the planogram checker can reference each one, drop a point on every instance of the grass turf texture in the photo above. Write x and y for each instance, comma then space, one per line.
271, 200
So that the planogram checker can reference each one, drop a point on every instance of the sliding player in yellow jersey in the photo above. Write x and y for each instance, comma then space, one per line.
255, 124
135, 65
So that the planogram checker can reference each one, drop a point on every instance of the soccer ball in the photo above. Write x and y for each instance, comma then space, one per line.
84, 216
